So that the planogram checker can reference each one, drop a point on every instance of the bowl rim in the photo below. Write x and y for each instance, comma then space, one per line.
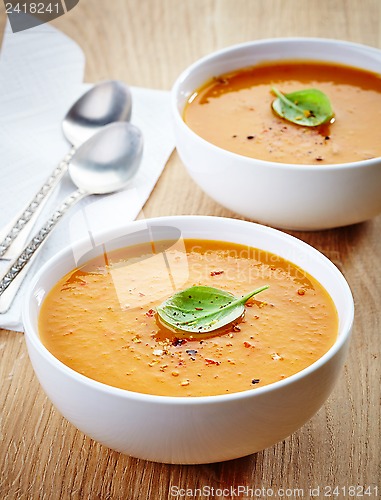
186, 73
32, 336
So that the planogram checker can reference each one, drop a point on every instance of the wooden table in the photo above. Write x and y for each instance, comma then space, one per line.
147, 43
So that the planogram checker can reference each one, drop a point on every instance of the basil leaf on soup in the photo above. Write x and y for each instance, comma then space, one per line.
308, 107
202, 309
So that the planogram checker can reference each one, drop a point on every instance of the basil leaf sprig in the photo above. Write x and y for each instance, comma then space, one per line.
308, 107
201, 309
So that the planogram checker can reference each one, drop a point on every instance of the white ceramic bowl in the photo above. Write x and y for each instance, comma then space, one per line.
302, 197
195, 429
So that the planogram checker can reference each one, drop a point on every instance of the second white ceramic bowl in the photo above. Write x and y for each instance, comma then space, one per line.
301, 197
195, 429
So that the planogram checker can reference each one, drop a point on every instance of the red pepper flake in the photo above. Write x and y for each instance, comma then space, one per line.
150, 313
247, 344
301, 291
211, 362
216, 273
199, 308
255, 381
141, 294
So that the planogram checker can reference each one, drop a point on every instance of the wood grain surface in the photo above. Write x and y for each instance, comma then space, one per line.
147, 43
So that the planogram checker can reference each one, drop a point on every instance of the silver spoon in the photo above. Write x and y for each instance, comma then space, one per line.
105, 103
103, 164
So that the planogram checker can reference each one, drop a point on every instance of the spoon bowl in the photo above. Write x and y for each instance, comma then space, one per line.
108, 160
107, 102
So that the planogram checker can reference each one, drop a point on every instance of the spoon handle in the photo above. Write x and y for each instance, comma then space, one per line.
14, 236
11, 282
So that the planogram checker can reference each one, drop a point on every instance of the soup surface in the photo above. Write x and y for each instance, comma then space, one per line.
100, 320
233, 111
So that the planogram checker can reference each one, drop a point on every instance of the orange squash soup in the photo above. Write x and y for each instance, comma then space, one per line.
101, 321
233, 111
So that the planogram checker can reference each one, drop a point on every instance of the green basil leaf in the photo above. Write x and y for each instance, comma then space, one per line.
308, 107
202, 309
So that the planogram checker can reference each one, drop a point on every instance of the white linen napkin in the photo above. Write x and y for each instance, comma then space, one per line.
41, 72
